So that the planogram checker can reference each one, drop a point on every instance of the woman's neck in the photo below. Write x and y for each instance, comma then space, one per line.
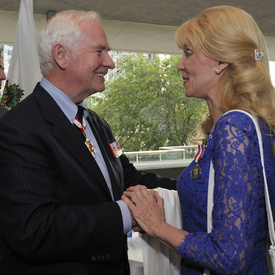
214, 110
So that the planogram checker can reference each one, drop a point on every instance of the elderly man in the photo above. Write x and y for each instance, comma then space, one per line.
62, 171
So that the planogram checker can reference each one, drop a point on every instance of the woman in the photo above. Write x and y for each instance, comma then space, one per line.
225, 62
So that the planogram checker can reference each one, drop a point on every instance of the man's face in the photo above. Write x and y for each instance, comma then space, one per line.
90, 61
2, 73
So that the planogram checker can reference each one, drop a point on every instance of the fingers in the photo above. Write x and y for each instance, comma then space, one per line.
135, 225
134, 189
137, 194
158, 199
139, 191
127, 200
152, 191
146, 207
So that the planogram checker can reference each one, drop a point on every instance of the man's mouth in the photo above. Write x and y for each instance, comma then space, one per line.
100, 74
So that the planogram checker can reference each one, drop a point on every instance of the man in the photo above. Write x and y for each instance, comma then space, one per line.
2, 77
60, 206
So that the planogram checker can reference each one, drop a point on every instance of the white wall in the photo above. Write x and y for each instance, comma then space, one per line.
122, 36
272, 72
8, 22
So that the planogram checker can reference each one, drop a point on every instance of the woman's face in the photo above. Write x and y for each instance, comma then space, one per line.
199, 74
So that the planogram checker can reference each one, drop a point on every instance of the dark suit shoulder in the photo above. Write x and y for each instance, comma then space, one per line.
101, 122
93, 115
39, 103
3, 110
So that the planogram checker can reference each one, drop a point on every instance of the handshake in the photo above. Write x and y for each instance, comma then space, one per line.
146, 208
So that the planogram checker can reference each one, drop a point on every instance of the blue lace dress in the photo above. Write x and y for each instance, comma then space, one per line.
237, 242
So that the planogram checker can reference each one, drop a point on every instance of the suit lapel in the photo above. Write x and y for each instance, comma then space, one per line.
111, 163
64, 131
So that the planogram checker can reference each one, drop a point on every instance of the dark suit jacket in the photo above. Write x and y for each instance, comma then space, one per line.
2, 110
56, 213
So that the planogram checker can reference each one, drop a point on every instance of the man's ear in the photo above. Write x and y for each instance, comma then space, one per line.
59, 55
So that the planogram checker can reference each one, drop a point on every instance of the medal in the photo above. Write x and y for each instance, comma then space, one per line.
82, 127
89, 145
116, 150
195, 172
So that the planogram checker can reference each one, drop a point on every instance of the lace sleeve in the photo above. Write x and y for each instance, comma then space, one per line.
238, 202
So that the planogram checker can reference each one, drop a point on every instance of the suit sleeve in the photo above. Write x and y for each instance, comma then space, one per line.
132, 177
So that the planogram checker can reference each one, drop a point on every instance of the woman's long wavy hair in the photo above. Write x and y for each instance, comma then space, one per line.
230, 35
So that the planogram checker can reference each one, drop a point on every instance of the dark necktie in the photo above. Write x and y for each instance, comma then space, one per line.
80, 124
79, 118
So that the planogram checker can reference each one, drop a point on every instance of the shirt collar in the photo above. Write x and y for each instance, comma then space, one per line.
68, 107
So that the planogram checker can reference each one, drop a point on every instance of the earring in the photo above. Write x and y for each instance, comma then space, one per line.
217, 71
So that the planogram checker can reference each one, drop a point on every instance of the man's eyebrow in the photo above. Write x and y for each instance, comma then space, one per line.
103, 48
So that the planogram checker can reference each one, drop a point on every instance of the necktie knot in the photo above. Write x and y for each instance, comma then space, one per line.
79, 121
79, 114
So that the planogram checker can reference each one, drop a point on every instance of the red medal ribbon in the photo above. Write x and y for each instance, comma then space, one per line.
80, 125
199, 153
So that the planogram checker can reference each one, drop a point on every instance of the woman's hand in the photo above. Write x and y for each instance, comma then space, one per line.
147, 208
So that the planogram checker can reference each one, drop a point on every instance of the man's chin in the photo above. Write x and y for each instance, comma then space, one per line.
97, 91
100, 90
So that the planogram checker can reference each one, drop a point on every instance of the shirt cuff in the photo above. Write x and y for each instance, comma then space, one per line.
126, 216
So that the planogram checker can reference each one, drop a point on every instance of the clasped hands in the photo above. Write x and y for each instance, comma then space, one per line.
146, 208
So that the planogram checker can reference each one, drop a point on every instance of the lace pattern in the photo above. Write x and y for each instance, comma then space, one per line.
237, 243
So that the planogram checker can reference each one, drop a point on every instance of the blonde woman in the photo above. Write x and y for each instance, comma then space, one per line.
224, 62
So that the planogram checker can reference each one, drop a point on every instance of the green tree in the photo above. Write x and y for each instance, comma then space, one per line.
145, 104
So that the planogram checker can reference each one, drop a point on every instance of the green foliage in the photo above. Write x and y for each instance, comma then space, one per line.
146, 106
11, 95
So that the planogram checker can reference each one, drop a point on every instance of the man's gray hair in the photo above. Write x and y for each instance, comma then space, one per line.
61, 28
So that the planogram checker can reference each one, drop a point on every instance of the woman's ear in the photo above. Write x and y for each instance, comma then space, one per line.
59, 55
220, 67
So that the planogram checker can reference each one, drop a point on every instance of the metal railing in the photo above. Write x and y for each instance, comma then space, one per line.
164, 154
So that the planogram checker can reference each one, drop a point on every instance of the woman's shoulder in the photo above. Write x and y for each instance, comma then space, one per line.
236, 119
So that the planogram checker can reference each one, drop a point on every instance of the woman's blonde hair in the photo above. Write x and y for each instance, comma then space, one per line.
230, 35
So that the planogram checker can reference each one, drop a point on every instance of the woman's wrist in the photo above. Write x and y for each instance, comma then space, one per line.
169, 235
